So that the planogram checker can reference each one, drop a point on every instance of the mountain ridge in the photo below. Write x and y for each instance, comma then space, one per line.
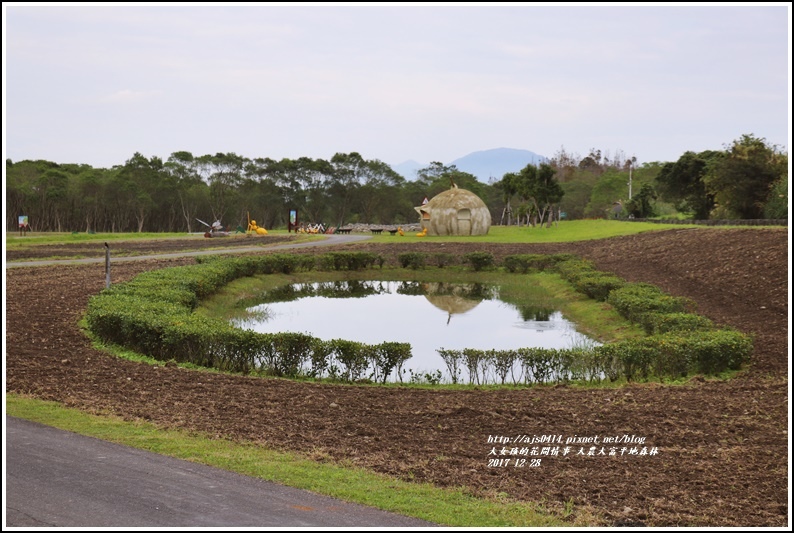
483, 164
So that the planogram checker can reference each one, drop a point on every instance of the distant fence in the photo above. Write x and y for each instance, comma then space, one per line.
740, 222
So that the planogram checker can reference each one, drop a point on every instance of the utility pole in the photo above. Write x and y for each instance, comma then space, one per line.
630, 180
631, 165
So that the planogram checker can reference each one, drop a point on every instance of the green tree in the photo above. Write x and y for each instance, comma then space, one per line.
777, 204
641, 204
540, 188
592, 162
377, 192
90, 185
144, 187
349, 171
608, 192
191, 191
683, 183
577, 196
224, 173
508, 186
273, 197
52, 188
741, 180
21, 195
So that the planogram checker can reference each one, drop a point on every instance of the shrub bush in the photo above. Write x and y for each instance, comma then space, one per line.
412, 260
442, 259
479, 260
524, 263
597, 285
634, 300
655, 323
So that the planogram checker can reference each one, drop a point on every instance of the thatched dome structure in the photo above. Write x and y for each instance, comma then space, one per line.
455, 212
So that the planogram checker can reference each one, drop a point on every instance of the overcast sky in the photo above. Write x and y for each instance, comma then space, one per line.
95, 84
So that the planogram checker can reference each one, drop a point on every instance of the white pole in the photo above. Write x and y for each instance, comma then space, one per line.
630, 165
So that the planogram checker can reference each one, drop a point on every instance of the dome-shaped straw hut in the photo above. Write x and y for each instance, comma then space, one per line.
455, 212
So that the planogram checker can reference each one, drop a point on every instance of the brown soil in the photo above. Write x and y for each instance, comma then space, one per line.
95, 249
722, 445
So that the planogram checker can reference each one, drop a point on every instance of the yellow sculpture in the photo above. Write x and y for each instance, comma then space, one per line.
400, 231
253, 227
423, 233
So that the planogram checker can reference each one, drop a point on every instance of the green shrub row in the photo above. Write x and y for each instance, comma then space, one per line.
679, 342
417, 260
524, 263
676, 354
667, 355
522, 365
153, 314
636, 300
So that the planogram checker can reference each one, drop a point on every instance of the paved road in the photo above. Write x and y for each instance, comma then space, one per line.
56, 478
330, 240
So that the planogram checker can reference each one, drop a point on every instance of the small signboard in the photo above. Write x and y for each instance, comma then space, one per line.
24, 226
293, 220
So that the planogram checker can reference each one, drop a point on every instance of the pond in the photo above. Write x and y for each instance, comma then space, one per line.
427, 315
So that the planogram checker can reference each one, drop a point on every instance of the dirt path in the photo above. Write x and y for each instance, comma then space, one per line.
722, 446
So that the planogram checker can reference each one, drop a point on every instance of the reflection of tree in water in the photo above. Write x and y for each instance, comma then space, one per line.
474, 291
328, 289
410, 288
452, 298
534, 313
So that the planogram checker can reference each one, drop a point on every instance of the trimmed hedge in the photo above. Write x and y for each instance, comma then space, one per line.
523, 263
479, 260
153, 314
634, 300
413, 260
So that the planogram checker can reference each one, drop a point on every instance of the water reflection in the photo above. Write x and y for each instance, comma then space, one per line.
427, 315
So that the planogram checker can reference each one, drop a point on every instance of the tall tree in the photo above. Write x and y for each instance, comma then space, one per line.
377, 192
740, 181
609, 192
191, 191
641, 204
142, 179
90, 185
565, 163
508, 185
777, 203
349, 172
541, 189
224, 173
683, 183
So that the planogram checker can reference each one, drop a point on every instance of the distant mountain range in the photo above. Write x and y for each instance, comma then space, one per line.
485, 164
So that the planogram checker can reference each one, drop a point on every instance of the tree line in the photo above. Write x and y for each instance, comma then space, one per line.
151, 195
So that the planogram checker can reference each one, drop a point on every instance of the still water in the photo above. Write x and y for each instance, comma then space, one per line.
428, 316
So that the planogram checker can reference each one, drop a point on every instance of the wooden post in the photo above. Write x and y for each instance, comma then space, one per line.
107, 266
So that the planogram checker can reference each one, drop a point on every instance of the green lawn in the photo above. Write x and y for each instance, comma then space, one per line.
565, 231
